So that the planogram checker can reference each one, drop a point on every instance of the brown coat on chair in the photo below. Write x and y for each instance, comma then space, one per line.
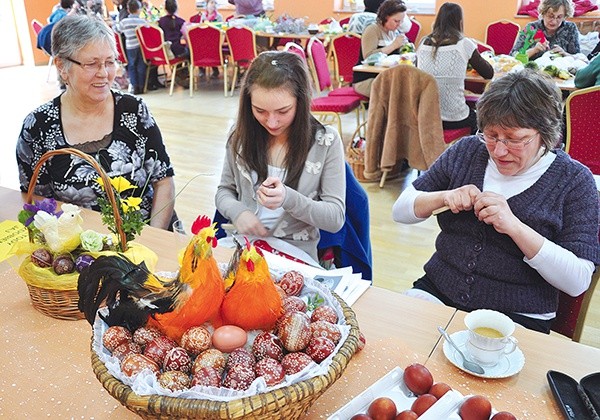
404, 121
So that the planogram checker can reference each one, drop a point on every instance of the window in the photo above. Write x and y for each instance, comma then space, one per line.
422, 7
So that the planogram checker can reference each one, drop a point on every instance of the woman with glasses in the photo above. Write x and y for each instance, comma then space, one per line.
117, 129
518, 217
561, 37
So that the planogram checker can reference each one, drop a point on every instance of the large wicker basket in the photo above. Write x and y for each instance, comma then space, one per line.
62, 303
291, 402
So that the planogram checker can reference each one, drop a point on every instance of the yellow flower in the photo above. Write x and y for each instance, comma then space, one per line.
119, 183
131, 203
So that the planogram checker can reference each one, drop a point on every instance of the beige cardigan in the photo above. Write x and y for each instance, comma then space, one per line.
404, 121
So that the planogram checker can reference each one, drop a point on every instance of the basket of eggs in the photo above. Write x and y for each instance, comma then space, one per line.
58, 247
211, 342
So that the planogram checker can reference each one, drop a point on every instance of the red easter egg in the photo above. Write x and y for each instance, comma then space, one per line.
293, 303
326, 329
294, 330
177, 359
114, 336
240, 356
207, 376
157, 349
196, 340
271, 370
144, 335
295, 362
319, 348
125, 348
292, 283
267, 345
324, 313
210, 358
239, 377
134, 363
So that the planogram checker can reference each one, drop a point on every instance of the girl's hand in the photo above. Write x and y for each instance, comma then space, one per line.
462, 198
271, 193
248, 224
492, 209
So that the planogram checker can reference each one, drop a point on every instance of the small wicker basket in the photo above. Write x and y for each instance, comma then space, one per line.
62, 302
355, 156
287, 403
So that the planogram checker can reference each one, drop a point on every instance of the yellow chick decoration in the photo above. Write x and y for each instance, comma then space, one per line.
62, 233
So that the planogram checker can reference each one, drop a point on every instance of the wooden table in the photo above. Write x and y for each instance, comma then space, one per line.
567, 85
46, 368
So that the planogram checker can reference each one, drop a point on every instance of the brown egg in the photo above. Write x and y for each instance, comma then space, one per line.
292, 283
144, 335
319, 348
325, 313
207, 376
174, 380
134, 363
406, 415
418, 378
271, 370
382, 408
295, 362
229, 337
293, 303
42, 258
63, 264
157, 349
294, 330
177, 359
114, 336
503, 415
326, 329
476, 407
240, 356
423, 403
239, 377
125, 348
196, 340
210, 358
267, 345
439, 389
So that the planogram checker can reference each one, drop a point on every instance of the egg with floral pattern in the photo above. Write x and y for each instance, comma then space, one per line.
114, 336
177, 359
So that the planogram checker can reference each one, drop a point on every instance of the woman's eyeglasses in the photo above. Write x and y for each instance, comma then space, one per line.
96, 66
509, 143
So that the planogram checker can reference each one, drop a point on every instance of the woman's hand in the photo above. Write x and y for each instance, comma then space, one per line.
539, 47
462, 198
248, 224
271, 193
559, 50
492, 209
399, 41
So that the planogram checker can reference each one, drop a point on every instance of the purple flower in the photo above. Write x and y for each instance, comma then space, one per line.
47, 204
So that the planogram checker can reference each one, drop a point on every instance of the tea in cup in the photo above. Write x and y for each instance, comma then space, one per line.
490, 336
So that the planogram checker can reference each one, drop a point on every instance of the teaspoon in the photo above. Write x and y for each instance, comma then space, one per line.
471, 366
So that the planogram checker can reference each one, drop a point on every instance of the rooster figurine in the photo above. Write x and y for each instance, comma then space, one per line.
252, 302
191, 299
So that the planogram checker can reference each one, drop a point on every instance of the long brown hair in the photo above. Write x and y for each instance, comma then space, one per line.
447, 27
250, 140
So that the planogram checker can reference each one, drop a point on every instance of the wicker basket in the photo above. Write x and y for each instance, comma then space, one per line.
61, 303
355, 156
291, 402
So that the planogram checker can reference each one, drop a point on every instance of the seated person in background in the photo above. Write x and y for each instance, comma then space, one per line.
445, 54
284, 176
382, 36
65, 7
589, 75
115, 128
523, 219
359, 21
248, 7
561, 36
211, 14
172, 25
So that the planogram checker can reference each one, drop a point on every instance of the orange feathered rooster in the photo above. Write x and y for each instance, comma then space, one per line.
252, 302
135, 296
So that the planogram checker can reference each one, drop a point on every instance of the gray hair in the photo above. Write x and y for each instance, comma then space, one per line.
524, 99
546, 5
74, 32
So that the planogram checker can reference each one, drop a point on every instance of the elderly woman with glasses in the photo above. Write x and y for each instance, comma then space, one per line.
561, 37
518, 217
115, 128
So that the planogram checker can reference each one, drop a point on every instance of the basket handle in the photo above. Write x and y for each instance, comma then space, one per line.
105, 179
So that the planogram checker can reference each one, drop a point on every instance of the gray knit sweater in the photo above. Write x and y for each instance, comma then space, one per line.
477, 267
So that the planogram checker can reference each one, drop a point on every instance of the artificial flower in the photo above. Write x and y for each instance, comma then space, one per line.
92, 241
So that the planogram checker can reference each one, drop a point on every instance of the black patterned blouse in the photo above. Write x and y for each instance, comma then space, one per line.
566, 37
134, 150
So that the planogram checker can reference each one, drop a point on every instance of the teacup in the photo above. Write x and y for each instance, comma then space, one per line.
490, 336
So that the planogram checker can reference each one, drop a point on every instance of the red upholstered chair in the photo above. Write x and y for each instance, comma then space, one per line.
242, 50
296, 49
583, 130
37, 26
345, 21
413, 32
206, 50
501, 35
572, 311
326, 21
121, 56
197, 18
482, 47
154, 52
450, 136
346, 50
330, 105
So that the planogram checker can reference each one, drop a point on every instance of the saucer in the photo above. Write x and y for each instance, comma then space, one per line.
508, 365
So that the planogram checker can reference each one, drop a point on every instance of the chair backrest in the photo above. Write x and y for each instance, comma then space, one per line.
206, 45
121, 56
413, 32
326, 21
36, 25
583, 130
197, 18
571, 312
296, 49
317, 61
152, 44
345, 21
502, 35
346, 51
482, 47
242, 44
